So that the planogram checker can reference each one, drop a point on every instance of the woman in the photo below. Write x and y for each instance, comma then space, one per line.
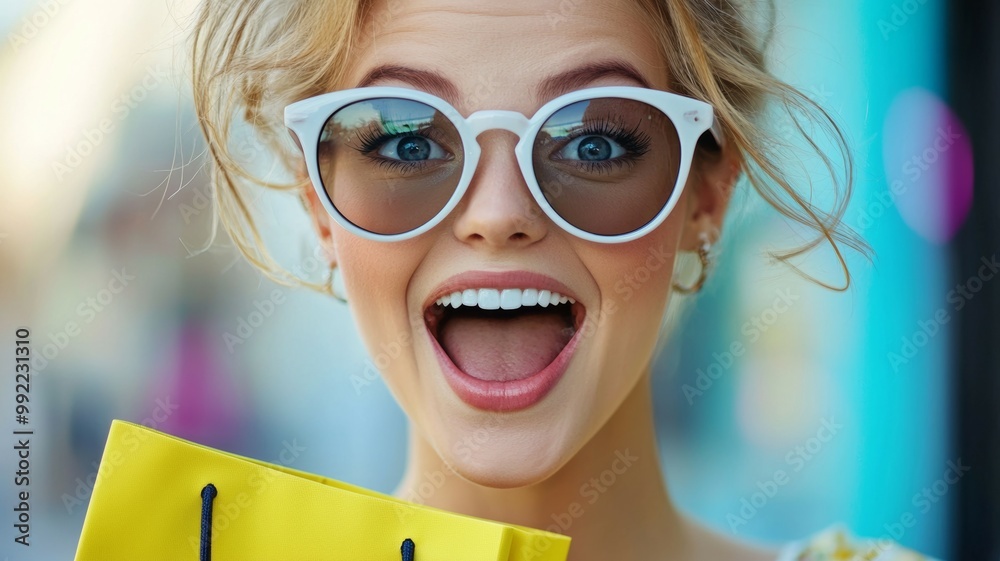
524, 365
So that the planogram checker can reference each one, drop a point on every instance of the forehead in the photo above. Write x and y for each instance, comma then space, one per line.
504, 54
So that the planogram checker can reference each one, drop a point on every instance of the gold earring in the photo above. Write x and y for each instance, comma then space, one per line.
331, 283
703, 258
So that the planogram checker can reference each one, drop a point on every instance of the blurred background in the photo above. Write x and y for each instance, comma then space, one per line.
105, 213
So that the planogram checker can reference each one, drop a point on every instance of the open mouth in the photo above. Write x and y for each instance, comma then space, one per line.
504, 335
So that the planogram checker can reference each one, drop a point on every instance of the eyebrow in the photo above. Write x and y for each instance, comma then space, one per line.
549, 88
423, 79
581, 76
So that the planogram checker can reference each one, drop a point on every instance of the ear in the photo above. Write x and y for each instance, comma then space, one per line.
709, 189
321, 220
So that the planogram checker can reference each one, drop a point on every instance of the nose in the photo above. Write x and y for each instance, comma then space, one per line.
498, 210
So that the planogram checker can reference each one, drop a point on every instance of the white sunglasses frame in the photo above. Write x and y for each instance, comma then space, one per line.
305, 119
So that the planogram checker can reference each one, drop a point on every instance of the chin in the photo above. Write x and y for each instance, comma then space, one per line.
501, 451
504, 474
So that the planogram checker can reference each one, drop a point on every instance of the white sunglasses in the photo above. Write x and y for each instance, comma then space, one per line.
607, 164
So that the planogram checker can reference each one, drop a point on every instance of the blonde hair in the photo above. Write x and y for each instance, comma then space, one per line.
252, 57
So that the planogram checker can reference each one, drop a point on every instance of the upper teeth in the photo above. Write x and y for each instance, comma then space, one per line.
506, 299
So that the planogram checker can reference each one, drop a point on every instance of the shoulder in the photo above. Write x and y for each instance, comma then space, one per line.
836, 542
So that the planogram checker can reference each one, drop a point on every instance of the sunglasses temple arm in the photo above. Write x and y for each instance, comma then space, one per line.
716, 129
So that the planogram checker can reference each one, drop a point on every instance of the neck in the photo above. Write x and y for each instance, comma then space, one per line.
610, 498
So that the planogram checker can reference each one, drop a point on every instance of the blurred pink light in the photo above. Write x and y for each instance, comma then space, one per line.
928, 164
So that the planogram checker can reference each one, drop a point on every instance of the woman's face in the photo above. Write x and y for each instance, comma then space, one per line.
504, 432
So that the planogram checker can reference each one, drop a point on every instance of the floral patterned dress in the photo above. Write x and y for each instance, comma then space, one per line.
837, 544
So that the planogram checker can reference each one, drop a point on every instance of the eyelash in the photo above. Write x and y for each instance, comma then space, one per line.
635, 143
375, 136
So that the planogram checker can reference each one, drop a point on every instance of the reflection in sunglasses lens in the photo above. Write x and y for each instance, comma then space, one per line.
389, 165
607, 166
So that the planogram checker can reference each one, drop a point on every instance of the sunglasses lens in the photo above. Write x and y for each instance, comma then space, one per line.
607, 166
389, 165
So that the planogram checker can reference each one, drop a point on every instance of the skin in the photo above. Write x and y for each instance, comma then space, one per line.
526, 466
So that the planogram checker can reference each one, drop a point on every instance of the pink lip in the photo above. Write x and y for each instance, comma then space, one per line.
514, 394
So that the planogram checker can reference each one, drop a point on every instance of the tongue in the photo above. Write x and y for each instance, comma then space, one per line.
496, 348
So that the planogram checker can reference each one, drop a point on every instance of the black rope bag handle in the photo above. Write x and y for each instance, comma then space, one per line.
208, 494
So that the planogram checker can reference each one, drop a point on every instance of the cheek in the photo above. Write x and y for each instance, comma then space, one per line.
376, 276
634, 297
373, 272
644, 278
634, 281
634, 275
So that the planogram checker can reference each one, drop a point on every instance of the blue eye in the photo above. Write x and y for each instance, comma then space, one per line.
411, 148
591, 149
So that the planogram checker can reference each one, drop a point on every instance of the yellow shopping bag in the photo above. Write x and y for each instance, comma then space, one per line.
159, 497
